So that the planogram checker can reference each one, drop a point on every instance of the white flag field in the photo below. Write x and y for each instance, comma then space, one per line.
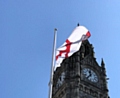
72, 44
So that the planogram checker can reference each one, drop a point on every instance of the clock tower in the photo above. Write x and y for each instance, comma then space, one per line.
80, 76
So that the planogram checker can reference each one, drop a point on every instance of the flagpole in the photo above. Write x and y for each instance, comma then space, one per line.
52, 64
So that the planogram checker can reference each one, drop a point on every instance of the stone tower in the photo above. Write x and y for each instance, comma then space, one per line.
80, 76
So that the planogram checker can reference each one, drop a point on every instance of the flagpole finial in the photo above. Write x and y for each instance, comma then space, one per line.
55, 29
78, 24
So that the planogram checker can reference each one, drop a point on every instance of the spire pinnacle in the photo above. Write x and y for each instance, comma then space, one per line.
78, 24
102, 63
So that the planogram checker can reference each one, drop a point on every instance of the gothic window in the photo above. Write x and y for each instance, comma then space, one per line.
62, 76
81, 87
86, 50
60, 80
87, 90
96, 94
82, 50
100, 95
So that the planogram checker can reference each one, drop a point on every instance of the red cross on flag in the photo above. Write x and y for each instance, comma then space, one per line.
72, 44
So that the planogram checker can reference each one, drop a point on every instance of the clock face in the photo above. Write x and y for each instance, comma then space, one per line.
90, 75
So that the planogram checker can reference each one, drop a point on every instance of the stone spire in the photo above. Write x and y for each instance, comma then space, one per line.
104, 78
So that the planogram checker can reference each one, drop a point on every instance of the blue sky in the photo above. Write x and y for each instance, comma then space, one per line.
26, 40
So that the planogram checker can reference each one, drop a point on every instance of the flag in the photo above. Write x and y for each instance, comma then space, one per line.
72, 44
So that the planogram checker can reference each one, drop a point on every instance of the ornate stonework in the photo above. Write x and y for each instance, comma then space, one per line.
80, 76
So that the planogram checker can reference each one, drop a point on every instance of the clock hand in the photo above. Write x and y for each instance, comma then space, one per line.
89, 74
